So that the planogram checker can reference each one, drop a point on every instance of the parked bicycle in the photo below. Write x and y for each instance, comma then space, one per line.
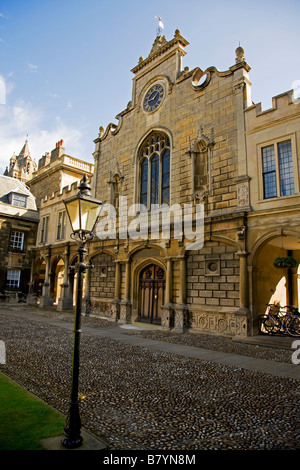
280, 320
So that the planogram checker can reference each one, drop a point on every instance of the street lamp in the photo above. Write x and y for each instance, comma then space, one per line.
83, 211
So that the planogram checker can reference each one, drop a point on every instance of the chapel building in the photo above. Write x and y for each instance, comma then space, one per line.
194, 138
201, 191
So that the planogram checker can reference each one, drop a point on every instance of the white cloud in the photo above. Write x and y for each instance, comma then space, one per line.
22, 119
32, 68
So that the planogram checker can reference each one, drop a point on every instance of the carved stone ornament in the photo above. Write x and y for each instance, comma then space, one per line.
243, 194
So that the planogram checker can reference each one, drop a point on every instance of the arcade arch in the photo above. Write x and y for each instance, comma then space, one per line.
274, 285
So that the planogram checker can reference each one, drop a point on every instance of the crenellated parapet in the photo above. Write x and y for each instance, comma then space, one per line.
59, 196
284, 105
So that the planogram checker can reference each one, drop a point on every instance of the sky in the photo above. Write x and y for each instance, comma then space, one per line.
65, 65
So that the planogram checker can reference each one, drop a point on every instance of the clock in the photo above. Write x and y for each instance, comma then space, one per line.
154, 97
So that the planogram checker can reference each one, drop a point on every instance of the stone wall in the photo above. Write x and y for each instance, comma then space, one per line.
102, 285
213, 288
16, 260
213, 277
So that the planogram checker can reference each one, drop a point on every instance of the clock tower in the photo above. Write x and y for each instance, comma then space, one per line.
155, 75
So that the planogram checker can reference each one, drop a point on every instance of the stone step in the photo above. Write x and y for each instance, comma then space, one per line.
272, 341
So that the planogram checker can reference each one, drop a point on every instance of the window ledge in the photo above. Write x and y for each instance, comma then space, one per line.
278, 198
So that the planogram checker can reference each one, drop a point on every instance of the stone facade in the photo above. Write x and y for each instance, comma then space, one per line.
56, 179
187, 139
274, 221
55, 171
210, 127
18, 227
198, 121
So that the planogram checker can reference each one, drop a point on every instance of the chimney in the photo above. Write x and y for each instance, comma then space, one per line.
58, 151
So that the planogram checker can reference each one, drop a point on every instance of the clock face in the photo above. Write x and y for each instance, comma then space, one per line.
153, 98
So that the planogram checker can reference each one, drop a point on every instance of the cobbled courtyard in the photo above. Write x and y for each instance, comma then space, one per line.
140, 399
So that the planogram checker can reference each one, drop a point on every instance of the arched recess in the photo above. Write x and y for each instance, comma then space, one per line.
56, 277
39, 276
148, 286
270, 284
152, 283
139, 258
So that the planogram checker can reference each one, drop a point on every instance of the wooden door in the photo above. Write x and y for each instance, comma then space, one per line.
151, 293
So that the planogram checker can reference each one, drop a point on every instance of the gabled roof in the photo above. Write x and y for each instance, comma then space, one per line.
13, 185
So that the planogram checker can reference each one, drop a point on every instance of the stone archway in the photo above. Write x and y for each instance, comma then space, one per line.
56, 278
272, 285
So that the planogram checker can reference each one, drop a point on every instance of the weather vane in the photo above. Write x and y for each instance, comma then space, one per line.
160, 26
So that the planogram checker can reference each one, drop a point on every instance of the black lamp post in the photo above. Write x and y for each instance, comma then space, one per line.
83, 211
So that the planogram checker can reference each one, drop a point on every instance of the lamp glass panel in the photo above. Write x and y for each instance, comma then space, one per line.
89, 213
74, 214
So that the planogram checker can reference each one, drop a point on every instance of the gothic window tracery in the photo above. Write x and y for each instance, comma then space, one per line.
154, 170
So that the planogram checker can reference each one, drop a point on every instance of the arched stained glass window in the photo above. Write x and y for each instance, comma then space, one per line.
154, 157
154, 180
165, 183
144, 182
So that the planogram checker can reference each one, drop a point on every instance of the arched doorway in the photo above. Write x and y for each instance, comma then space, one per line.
273, 285
151, 293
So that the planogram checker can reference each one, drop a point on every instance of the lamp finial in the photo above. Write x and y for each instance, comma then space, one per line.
84, 187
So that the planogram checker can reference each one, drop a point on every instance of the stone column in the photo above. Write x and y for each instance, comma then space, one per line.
182, 285
32, 296
181, 310
167, 320
46, 300
243, 280
242, 315
115, 304
87, 293
125, 306
242, 180
65, 302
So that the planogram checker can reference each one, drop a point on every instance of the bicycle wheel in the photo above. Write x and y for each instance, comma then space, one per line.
260, 322
293, 326
286, 324
268, 324
276, 323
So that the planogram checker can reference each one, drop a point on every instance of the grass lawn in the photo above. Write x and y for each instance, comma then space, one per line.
24, 419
